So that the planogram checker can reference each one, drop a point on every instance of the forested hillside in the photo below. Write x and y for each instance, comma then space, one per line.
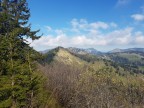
131, 60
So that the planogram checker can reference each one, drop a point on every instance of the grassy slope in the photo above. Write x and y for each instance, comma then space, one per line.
67, 58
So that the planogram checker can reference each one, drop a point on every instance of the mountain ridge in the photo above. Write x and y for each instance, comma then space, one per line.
63, 55
117, 50
93, 51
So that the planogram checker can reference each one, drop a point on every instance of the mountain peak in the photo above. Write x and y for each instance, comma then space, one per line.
77, 50
62, 55
116, 50
84, 51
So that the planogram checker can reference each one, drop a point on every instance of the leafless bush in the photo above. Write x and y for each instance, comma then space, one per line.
76, 87
62, 80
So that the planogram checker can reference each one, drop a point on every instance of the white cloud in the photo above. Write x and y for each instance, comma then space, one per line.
120, 37
79, 24
84, 25
90, 35
112, 24
138, 17
139, 38
98, 25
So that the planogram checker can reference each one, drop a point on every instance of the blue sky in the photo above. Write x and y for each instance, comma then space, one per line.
101, 24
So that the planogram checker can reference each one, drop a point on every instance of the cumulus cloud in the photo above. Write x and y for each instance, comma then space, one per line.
98, 25
84, 25
90, 35
139, 38
138, 17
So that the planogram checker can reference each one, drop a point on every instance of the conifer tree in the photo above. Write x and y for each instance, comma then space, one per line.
18, 83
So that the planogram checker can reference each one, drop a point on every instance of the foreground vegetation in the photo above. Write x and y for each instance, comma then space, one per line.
93, 84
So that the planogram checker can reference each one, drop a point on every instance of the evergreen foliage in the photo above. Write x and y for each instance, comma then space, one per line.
20, 83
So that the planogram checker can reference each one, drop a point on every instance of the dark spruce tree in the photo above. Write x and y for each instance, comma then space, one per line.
19, 82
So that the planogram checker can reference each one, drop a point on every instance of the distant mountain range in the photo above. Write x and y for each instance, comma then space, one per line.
84, 51
45, 51
127, 50
93, 51
132, 58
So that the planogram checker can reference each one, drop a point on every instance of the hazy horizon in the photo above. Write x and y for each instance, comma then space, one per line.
90, 47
